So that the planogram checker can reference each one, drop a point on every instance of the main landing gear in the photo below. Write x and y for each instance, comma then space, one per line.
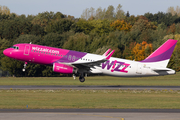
81, 77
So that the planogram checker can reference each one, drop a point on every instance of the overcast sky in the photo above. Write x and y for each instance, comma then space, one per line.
76, 7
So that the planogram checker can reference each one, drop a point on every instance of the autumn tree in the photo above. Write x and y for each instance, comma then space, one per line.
110, 13
121, 25
172, 29
4, 10
141, 51
174, 11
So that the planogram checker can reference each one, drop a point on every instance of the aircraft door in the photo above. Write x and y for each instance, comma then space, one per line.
26, 50
139, 69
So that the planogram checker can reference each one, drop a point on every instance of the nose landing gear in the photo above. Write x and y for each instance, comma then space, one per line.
24, 69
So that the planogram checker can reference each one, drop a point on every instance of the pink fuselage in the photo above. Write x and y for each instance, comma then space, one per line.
36, 53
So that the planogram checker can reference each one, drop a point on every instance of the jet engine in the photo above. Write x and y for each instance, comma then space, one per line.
62, 68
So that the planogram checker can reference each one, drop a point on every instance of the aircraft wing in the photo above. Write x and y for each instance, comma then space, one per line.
88, 65
85, 67
91, 64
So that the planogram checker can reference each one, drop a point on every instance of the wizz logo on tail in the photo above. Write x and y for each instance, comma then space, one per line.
116, 66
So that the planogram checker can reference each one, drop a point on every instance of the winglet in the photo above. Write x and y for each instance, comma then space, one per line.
106, 53
110, 54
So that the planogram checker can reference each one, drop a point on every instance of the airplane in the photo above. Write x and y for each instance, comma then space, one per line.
74, 62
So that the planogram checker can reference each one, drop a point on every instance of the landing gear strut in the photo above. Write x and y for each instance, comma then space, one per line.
81, 78
24, 67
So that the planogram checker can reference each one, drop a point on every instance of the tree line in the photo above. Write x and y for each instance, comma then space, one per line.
132, 37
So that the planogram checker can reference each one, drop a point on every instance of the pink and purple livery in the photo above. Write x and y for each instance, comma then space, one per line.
74, 62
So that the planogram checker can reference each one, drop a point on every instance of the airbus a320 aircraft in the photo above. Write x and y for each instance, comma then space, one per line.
73, 62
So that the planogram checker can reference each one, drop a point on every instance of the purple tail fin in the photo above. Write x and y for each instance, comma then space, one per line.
163, 53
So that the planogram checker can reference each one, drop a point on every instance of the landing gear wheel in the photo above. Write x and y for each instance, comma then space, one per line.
23, 69
81, 79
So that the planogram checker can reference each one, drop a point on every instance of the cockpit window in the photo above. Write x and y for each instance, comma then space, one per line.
15, 47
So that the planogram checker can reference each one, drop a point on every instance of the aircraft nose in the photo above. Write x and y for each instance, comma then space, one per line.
6, 52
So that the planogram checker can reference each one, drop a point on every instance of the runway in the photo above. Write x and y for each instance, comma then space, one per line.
90, 114
53, 87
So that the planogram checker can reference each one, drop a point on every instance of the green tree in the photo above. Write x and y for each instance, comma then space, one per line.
101, 26
100, 13
84, 26
27, 39
161, 17
53, 40
110, 14
3, 45
119, 12
78, 42
59, 26
12, 29
11, 65
44, 18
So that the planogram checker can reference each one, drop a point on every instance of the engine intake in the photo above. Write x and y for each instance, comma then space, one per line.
62, 68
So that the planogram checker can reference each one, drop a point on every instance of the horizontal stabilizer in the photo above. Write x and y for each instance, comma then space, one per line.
161, 69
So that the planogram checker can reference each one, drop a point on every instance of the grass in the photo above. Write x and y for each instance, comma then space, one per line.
54, 99
169, 80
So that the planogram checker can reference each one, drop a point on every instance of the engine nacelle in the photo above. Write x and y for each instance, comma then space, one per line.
62, 68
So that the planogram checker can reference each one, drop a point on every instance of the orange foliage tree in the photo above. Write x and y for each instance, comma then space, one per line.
141, 51
172, 29
121, 25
